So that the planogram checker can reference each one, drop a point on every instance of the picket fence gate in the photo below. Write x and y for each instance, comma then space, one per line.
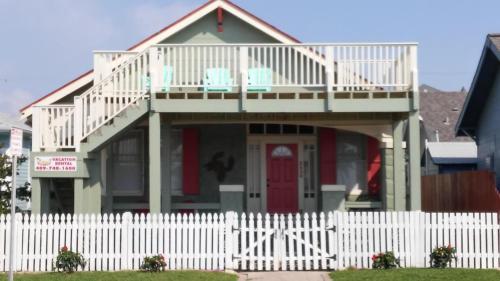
335, 240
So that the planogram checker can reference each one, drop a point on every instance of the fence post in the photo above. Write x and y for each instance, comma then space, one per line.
229, 240
125, 250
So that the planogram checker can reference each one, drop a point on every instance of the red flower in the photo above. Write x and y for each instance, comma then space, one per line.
64, 248
374, 257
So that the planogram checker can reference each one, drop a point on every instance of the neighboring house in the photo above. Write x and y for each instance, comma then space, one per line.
480, 118
222, 111
444, 152
6, 123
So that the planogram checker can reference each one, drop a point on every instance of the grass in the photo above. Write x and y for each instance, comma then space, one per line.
125, 276
416, 275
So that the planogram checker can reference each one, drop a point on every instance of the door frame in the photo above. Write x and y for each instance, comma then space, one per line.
262, 141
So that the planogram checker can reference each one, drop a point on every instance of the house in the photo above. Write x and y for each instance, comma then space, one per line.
6, 123
444, 152
480, 116
223, 111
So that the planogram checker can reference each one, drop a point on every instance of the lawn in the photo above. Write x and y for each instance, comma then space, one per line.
416, 275
125, 276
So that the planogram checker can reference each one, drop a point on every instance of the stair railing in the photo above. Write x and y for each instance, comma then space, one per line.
125, 86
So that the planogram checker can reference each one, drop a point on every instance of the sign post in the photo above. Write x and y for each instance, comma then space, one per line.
15, 150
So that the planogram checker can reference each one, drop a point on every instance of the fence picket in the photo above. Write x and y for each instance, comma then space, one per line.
262, 242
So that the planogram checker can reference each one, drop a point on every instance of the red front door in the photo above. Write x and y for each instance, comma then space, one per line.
282, 178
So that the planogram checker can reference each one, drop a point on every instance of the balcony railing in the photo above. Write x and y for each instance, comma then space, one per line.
54, 127
340, 67
122, 78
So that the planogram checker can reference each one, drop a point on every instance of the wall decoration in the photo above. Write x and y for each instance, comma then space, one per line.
219, 166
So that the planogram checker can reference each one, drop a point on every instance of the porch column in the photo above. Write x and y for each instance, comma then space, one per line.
414, 160
155, 167
79, 200
166, 202
106, 177
40, 196
92, 186
387, 177
399, 167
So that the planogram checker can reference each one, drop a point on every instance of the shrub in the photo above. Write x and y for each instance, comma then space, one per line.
154, 263
441, 257
68, 261
385, 260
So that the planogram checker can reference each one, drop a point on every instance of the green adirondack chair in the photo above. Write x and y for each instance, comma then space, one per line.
217, 80
168, 72
260, 79
146, 82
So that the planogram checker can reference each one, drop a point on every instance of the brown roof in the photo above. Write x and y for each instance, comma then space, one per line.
440, 111
495, 39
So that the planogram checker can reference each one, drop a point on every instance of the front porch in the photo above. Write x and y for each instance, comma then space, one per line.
277, 163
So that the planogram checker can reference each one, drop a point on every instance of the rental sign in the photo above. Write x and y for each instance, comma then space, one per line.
55, 163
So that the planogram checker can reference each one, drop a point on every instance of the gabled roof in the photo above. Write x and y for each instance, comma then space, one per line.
440, 111
480, 89
161, 35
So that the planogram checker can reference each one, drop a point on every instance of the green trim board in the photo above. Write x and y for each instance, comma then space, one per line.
279, 105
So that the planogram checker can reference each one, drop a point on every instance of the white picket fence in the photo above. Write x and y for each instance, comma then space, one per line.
251, 242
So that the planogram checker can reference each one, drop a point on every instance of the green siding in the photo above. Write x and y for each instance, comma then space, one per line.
205, 31
229, 139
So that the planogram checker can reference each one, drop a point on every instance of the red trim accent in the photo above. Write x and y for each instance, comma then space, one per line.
373, 163
220, 20
190, 161
327, 156
166, 28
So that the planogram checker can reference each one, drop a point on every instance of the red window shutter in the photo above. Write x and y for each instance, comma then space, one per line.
373, 163
327, 156
190, 161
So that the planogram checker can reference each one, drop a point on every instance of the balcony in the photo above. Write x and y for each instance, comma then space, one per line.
230, 78
284, 78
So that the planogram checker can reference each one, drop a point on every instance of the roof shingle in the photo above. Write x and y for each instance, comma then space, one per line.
440, 111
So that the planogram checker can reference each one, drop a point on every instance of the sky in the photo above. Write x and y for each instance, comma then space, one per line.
44, 44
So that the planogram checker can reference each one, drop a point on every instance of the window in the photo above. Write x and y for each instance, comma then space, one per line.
176, 162
254, 166
273, 129
280, 129
351, 162
309, 170
281, 151
290, 129
256, 129
128, 165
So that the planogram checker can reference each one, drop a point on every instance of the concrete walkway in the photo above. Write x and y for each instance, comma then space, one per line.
284, 276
